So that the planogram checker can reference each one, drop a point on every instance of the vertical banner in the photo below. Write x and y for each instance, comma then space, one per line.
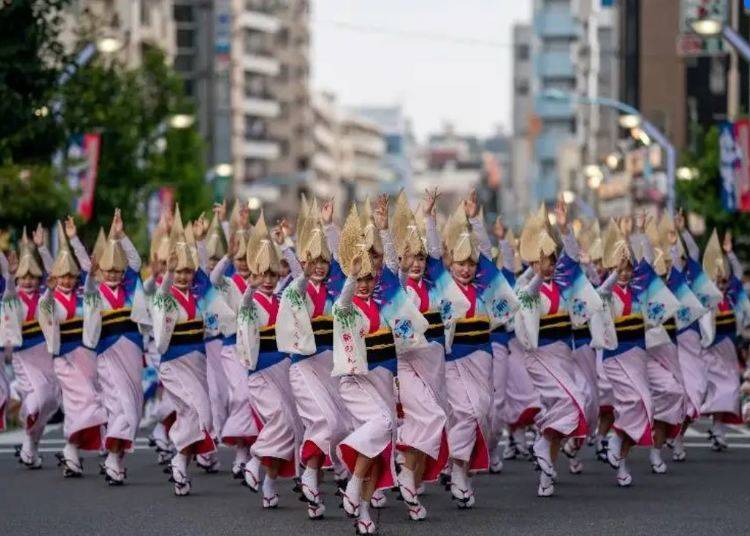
729, 164
81, 168
742, 139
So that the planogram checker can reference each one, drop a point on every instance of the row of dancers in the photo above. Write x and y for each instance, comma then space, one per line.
394, 350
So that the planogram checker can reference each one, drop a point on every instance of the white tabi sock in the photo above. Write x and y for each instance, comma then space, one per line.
71, 453
654, 456
460, 477
180, 462
364, 511
241, 455
112, 461
615, 445
269, 486
719, 429
408, 487
354, 490
310, 479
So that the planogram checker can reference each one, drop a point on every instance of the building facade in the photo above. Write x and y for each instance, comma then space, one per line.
516, 196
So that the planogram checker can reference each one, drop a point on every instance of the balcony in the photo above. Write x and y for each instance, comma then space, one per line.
255, 20
261, 149
547, 145
555, 65
555, 24
261, 107
261, 64
553, 109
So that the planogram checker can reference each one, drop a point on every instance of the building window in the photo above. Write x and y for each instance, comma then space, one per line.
183, 13
522, 53
255, 128
145, 13
255, 169
189, 87
185, 38
183, 63
522, 87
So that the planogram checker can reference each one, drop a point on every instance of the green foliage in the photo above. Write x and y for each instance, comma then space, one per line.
30, 57
31, 194
131, 110
703, 194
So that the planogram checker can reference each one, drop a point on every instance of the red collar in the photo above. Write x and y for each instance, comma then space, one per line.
187, 301
471, 294
116, 297
318, 297
31, 301
68, 303
270, 305
724, 305
240, 282
371, 311
420, 289
552, 292
626, 297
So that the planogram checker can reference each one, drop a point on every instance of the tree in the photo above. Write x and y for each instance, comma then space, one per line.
30, 62
35, 193
131, 111
702, 195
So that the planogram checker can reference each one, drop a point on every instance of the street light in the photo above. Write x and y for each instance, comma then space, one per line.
223, 170
639, 134
612, 160
253, 203
568, 197
594, 176
708, 27
687, 174
180, 121
629, 121
109, 44
649, 130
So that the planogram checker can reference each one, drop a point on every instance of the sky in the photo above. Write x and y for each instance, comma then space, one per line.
442, 60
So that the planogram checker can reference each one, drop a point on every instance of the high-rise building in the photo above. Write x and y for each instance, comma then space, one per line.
515, 198
555, 32
133, 25
246, 63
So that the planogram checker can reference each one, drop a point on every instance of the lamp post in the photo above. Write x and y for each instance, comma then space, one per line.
712, 27
633, 118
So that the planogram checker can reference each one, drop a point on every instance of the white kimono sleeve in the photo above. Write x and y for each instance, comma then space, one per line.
48, 321
248, 332
349, 350
92, 312
164, 315
11, 313
294, 333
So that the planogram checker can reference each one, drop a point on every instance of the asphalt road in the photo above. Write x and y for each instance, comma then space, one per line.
709, 494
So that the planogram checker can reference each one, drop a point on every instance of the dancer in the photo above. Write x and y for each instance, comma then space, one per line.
113, 310
60, 314
179, 331
35, 381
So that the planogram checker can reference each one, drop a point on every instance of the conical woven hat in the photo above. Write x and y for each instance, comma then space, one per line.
406, 233
304, 210
660, 258
614, 246
28, 261
536, 241
65, 261
714, 262
216, 244
458, 237
113, 257
101, 242
352, 244
180, 246
315, 244
261, 252
371, 234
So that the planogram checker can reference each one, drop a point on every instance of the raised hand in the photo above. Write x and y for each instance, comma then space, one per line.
471, 205
561, 215
326, 211
70, 228
679, 221
499, 228
286, 227
117, 225
727, 244
380, 214
277, 233
430, 200
640, 220
200, 227
37, 236
244, 217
